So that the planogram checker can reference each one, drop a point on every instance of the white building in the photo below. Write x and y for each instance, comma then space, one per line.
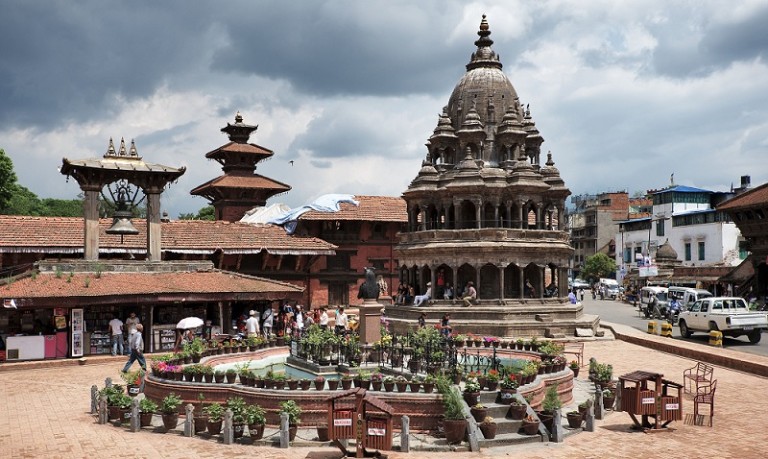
685, 216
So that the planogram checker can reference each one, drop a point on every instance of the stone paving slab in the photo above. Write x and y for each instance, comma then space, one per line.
45, 414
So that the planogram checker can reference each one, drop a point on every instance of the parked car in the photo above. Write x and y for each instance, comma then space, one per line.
580, 284
660, 293
729, 315
686, 296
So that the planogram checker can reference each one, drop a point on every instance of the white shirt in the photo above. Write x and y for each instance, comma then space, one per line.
116, 325
131, 323
341, 320
252, 325
300, 320
324, 318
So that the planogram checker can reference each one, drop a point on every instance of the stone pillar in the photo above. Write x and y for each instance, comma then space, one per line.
501, 283
478, 214
520, 216
521, 281
227, 436
91, 215
94, 399
154, 232
496, 216
405, 432
370, 321
135, 419
477, 282
284, 438
541, 283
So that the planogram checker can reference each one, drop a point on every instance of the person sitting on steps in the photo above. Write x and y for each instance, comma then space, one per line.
470, 294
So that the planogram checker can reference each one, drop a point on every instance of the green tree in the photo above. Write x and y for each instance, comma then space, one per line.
7, 179
597, 266
206, 213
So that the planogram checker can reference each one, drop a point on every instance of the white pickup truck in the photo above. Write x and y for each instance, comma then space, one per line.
729, 315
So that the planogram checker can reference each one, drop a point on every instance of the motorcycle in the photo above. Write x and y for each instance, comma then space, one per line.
673, 312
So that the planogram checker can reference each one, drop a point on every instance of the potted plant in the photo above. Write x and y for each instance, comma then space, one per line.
169, 409
207, 371
304, 383
147, 409
293, 410
549, 405
346, 381
429, 384
471, 391
112, 393
319, 383
415, 383
520, 344
215, 413
517, 409
389, 383
255, 418
199, 420
458, 340
377, 381
363, 379
455, 424
123, 407
492, 379
488, 428
218, 376
478, 411
292, 383
231, 375
322, 432
401, 382
603, 375
132, 380
609, 398
574, 366
509, 385
574, 419
583, 407
530, 425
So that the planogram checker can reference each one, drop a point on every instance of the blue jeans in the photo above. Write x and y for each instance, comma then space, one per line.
135, 355
117, 343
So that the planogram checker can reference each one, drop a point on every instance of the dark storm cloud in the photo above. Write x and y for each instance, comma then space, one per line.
67, 60
721, 45
352, 50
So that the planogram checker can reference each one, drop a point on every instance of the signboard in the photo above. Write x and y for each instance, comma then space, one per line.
77, 332
672, 406
342, 422
376, 432
649, 401
648, 271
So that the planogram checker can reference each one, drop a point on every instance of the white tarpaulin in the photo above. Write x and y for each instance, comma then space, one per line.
325, 203
262, 215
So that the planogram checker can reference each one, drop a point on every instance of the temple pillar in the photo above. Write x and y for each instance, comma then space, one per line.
154, 241
91, 229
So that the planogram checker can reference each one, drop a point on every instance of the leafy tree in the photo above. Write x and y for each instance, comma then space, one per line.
7, 179
62, 207
597, 266
206, 213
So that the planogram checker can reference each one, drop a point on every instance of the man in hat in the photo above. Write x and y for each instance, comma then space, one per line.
252, 324
425, 297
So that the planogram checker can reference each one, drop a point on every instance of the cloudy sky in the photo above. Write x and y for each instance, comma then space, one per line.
624, 93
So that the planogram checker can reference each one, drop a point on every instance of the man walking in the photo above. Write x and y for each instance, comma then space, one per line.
116, 327
136, 344
267, 318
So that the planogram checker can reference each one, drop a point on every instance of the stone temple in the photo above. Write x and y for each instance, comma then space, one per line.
484, 208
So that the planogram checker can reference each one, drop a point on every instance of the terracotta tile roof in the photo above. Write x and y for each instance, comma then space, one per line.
46, 285
235, 147
242, 181
751, 198
371, 208
46, 234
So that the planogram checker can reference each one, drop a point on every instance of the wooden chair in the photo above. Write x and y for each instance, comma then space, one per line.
697, 376
577, 349
704, 396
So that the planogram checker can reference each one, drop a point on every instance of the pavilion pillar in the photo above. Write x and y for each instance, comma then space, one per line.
154, 237
91, 214
501, 283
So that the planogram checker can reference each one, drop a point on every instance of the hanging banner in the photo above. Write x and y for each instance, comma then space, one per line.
77, 334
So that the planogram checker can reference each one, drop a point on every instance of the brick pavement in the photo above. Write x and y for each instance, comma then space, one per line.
45, 414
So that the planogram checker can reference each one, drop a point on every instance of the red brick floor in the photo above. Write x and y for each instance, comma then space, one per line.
44, 413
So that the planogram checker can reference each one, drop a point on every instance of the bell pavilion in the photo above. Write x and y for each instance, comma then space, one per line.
484, 208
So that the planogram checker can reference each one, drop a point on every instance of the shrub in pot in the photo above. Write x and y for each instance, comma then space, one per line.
255, 417
454, 423
215, 413
170, 410
293, 410
147, 409
237, 405
488, 428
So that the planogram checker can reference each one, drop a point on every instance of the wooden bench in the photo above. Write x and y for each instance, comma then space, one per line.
575, 348
695, 377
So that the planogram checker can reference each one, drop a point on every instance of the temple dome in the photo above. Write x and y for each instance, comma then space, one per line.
666, 252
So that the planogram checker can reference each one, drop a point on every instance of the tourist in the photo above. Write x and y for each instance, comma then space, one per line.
136, 344
267, 318
411, 294
342, 322
445, 324
440, 282
530, 291
298, 320
448, 292
323, 319
423, 320
425, 297
581, 295
572, 297
252, 324
470, 294
208, 330
131, 322
116, 326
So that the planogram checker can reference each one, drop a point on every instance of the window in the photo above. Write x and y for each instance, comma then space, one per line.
687, 251
701, 250
660, 228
